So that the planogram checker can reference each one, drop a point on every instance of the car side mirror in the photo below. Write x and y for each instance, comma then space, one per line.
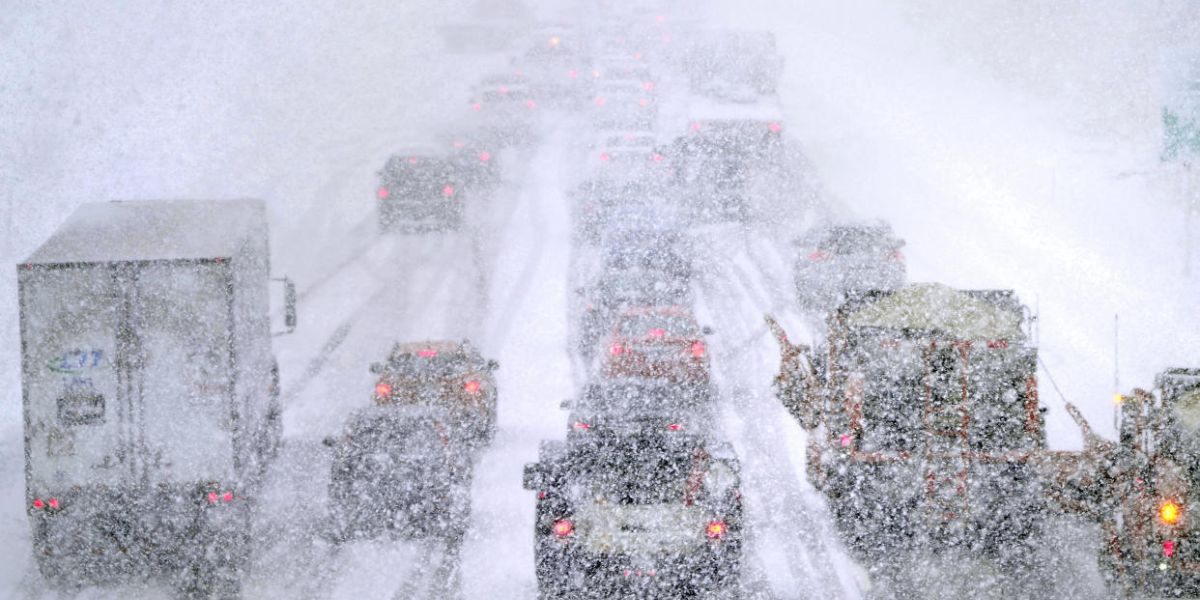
329, 442
376, 368
566, 404
533, 476
706, 330
581, 291
492, 365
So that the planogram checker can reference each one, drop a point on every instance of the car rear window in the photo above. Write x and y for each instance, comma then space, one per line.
433, 366
657, 325
855, 241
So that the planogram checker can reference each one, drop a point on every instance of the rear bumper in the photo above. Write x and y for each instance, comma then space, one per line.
107, 536
578, 574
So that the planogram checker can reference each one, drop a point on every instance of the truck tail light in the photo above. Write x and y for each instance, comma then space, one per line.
39, 504
471, 387
383, 192
1169, 512
1169, 548
715, 530
616, 349
818, 256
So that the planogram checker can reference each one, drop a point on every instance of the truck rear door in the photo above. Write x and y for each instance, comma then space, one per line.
77, 420
187, 416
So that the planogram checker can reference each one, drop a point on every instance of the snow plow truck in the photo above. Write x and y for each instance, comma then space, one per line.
924, 427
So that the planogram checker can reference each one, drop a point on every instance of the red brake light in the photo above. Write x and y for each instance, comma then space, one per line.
600, 101
1168, 548
896, 255
485, 156
698, 349
477, 106
774, 127
616, 349
563, 527
448, 191
471, 387
674, 427
656, 157
818, 256
54, 503
997, 344
427, 353
530, 104
573, 74
715, 530
604, 157
580, 425
412, 160
382, 192
695, 126
504, 89
648, 85
845, 440
458, 145
383, 389
212, 497
657, 332
39, 504
227, 497
643, 103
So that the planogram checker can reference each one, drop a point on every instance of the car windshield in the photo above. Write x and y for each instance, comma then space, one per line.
657, 325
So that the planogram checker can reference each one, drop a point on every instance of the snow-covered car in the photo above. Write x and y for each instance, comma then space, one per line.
731, 64
398, 469
618, 289
420, 190
557, 64
508, 106
664, 343
624, 105
835, 261
717, 162
655, 515
447, 374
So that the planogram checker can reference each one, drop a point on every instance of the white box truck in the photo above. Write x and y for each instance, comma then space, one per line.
150, 391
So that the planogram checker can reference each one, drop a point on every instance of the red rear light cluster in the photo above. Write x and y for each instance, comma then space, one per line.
818, 256
427, 353
383, 389
997, 344
220, 497
616, 349
448, 191
382, 192
563, 528
1169, 548
600, 101
485, 156
675, 427
604, 157
581, 426
657, 332
698, 349
716, 530
471, 387
896, 256
47, 504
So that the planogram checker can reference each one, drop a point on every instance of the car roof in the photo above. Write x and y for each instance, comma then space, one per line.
439, 345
